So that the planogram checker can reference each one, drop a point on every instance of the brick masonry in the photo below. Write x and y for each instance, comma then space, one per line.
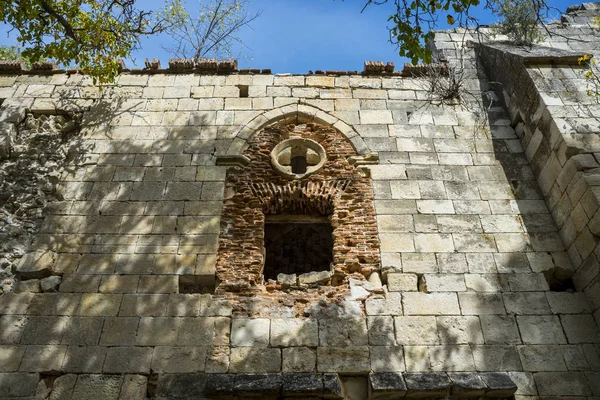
472, 225
338, 190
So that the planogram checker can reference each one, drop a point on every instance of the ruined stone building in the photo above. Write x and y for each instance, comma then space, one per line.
201, 231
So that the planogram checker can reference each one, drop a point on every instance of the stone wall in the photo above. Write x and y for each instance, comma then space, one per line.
470, 233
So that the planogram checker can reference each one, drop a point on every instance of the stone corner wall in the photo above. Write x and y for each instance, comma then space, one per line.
557, 121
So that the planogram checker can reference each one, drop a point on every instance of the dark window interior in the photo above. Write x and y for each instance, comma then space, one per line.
297, 245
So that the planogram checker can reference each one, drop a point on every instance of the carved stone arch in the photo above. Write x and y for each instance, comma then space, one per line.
294, 114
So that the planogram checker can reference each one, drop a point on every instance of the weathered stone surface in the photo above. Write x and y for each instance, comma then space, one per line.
302, 385
63, 386
36, 265
185, 386
335, 359
134, 387
294, 332
339, 332
105, 387
427, 384
255, 360
18, 384
467, 384
50, 284
498, 384
387, 385
128, 360
180, 359
258, 385
299, 359
332, 388
250, 332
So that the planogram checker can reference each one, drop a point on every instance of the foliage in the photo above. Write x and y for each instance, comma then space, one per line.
212, 32
414, 20
519, 20
592, 75
445, 83
13, 53
91, 34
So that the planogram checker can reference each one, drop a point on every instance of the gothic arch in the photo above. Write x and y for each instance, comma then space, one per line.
298, 114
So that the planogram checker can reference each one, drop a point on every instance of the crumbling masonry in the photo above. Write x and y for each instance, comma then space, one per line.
207, 232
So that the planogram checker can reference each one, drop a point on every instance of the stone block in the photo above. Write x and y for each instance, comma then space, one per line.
302, 384
444, 282
50, 284
299, 359
428, 384
128, 360
387, 358
541, 358
181, 386
104, 387
580, 328
62, 387
451, 358
431, 304
473, 303
80, 283
500, 329
134, 387
93, 304
294, 332
386, 385
36, 265
10, 357
335, 359
254, 360
499, 384
87, 360
43, 358
416, 330
381, 331
267, 386
459, 330
44, 330
178, 360
13, 385
466, 384
390, 304
82, 331
144, 305
402, 282
246, 332
496, 358
202, 332
542, 329
157, 331
526, 303
340, 332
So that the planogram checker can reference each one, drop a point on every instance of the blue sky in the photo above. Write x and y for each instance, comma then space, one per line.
296, 36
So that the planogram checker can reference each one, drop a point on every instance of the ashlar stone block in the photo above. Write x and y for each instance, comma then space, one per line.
246, 332
541, 329
294, 332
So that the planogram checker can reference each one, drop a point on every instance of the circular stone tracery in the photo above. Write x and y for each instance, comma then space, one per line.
298, 158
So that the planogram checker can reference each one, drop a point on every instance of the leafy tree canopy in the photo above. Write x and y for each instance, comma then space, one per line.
12, 53
91, 34
413, 20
